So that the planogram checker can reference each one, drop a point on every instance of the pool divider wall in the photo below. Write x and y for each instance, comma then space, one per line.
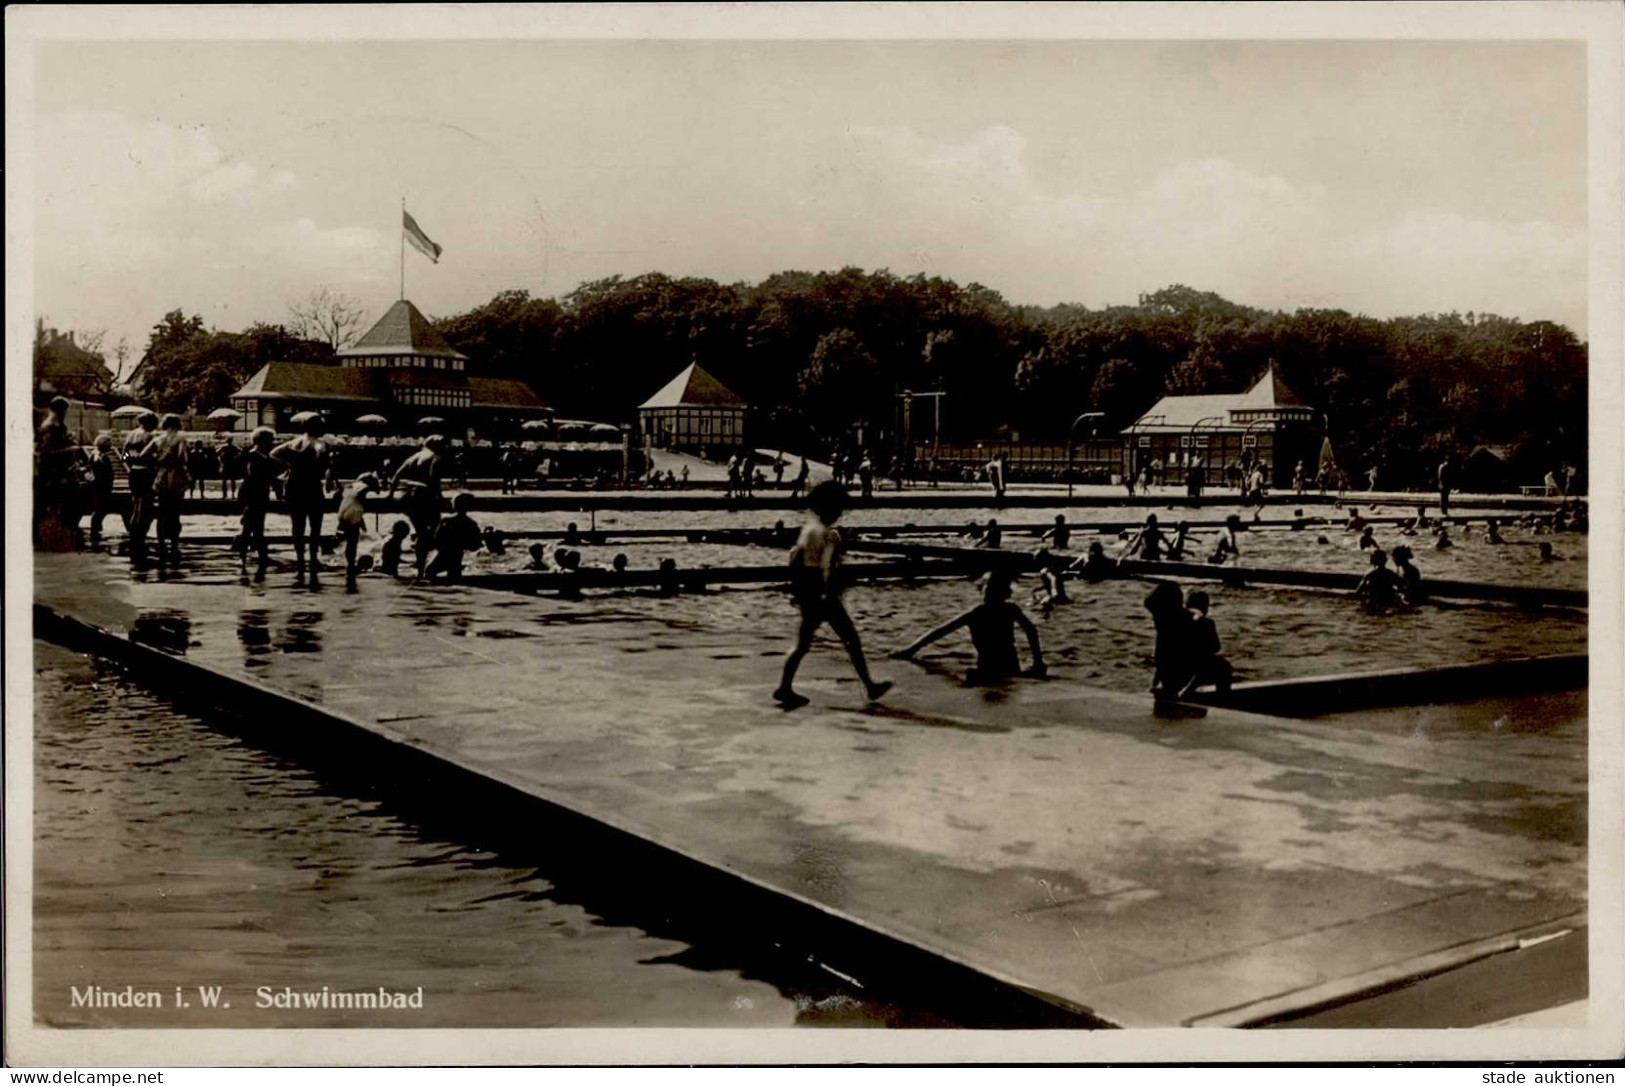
1327, 694
890, 968
631, 501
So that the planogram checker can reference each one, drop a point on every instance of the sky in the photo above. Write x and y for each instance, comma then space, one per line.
231, 179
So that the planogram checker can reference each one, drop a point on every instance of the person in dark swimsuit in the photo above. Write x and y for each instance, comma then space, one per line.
140, 474
419, 476
260, 480
306, 458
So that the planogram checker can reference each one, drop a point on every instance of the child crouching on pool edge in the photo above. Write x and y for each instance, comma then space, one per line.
389, 561
453, 539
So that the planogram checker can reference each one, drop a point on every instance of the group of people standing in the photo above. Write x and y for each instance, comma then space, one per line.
300, 470
155, 455
158, 462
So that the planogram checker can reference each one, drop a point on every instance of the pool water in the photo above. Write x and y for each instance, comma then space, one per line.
168, 853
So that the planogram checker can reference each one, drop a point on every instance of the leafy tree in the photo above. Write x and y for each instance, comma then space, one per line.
838, 384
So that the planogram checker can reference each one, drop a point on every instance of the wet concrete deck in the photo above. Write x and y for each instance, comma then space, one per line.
1216, 870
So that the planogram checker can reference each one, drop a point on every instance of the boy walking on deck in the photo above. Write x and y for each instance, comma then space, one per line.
814, 582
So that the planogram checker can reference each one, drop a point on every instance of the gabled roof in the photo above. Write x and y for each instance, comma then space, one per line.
1270, 391
503, 393
402, 330
59, 361
309, 381
1184, 412
694, 388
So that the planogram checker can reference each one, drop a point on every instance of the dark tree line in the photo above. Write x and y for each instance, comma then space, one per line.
814, 353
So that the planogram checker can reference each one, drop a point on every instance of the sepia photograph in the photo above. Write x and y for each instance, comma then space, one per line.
759, 533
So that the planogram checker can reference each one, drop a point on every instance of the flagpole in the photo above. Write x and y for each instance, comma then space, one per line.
403, 248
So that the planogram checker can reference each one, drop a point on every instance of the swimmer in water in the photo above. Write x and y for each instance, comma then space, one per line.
1060, 535
1492, 532
992, 625
1379, 587
1410, 578
538, 556
1443, 542
992, 536
1227, 546
1546, 554
1149, 542
816, 585
1367, 540
1094, 566
1356, 523
1051, 589
1176, 549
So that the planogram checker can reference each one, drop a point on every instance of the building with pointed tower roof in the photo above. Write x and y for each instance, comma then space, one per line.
693, 410
403, 369
1267, 423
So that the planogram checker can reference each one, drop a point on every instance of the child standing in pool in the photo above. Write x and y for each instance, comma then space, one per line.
1172, 623
992, 626
1410, 578
1206, 664
814, 581
1060, 535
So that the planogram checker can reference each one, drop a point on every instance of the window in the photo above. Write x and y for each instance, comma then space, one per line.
1145, 441
1185, 442
1249, 441
1200, 441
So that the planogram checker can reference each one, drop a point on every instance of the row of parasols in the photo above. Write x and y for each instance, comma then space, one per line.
557, 428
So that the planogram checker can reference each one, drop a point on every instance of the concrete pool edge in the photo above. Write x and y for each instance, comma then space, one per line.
211, 690
917, 952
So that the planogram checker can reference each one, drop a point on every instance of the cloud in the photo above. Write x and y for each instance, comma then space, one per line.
136, 218
1535, 269
973, 209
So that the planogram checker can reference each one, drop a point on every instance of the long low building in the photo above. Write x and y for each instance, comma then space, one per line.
402, 369
1267, 423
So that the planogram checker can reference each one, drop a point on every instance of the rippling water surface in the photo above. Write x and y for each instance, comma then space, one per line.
167, 853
